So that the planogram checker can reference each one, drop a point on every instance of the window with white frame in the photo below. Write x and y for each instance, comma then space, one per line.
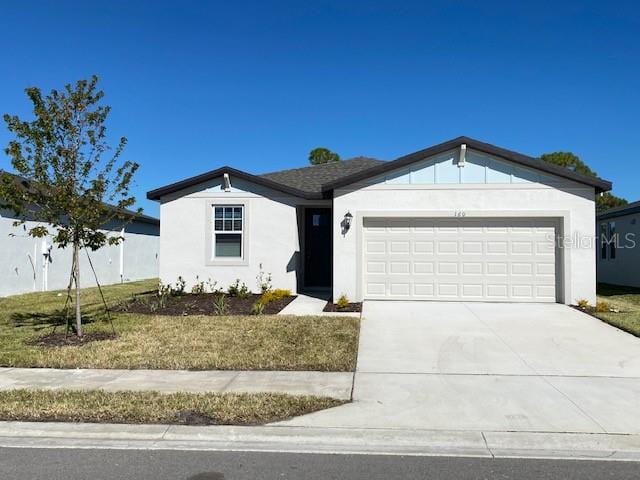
228, 231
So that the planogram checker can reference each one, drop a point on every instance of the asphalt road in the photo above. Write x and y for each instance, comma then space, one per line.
68, 464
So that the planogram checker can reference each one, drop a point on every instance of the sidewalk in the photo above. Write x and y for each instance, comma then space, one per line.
322, 440
313, 304
329, 384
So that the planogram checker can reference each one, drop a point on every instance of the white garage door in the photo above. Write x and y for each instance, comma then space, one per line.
509, 260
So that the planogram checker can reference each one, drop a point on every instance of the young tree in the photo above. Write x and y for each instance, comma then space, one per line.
571, 160
321, 155
73, 182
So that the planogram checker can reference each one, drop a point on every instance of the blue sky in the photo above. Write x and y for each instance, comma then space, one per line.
256, 85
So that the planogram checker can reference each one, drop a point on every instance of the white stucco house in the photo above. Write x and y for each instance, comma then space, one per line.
458, 221
619, 247
36, 265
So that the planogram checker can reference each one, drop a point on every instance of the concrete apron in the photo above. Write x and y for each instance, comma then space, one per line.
489, 367
322, 440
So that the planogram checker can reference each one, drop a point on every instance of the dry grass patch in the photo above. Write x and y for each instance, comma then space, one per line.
97, 406
626, 302
159, 342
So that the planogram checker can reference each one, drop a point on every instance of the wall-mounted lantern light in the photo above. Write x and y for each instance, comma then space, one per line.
346, 223
348, 218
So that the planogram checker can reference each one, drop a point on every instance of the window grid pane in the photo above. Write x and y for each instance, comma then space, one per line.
228, 245
228, 219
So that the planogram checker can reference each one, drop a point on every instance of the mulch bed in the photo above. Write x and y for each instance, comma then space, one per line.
352, 307
203, 304
61, 339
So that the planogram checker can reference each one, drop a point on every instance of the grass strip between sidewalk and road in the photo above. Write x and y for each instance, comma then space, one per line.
97, 406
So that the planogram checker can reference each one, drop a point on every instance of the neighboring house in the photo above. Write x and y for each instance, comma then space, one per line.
619, 247
33, 264
459, 221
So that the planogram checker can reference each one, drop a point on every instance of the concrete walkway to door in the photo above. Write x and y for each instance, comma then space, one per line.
490, 367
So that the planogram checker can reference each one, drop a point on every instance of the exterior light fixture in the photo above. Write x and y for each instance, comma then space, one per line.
348, 218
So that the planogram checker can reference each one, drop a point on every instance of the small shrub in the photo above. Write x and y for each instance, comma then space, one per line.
273, 295
180, 286
244, 292
233, 289
257, 308
264, 281
220, 304
211, 286
239, 290
198, 288
602, 306
582, 303
164, 292
343, 302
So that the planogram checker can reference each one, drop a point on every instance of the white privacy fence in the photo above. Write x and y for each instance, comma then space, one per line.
34, 264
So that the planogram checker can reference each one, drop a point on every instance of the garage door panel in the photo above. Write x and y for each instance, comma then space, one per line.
422, 247
472, 268
376, 267
400, 289
470, 259
447, 268
375, 246
423, 290
447, 247
399, 267
421, 267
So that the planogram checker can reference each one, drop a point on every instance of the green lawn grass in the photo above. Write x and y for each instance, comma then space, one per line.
624, 299
270, 342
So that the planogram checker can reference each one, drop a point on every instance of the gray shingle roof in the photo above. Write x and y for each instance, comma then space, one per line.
318, 181
629, 209
311, 179
139, 217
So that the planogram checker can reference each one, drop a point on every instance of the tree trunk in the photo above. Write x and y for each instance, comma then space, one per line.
76, 266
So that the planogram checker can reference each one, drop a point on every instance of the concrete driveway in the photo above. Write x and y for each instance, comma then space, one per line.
490, 367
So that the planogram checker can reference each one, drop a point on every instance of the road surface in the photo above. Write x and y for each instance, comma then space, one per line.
88, 464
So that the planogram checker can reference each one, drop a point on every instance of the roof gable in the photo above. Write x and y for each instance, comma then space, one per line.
478, 168
530, 164
213, 174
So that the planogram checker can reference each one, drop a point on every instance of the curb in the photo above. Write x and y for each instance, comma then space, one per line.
488, 444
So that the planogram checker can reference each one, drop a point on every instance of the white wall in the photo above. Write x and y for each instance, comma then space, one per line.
271, 235
23, 268
571, 202
625, 268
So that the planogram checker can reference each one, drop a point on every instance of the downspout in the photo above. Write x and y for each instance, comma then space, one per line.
45, 265
122, 255
33, 262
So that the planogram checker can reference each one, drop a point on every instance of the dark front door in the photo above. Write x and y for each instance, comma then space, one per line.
317, 247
